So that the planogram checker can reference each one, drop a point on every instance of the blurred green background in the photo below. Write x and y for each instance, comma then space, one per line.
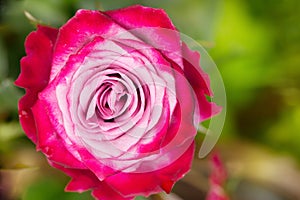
256, 46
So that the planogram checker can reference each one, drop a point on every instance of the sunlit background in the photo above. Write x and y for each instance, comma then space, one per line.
256, 46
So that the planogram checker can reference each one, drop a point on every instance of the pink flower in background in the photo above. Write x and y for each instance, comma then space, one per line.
114, 100
217, 179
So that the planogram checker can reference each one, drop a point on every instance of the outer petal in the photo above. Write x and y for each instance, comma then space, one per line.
35, 67
200, 83
151, 25
49, 141
152, 182
78, 31
138, 16
34, 76
25, 114
177, 169
50, 32
105, 192
83, 180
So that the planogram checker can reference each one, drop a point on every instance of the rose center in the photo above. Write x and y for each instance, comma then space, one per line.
111, 100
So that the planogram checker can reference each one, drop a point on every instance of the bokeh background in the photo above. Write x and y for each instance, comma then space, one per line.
256, 46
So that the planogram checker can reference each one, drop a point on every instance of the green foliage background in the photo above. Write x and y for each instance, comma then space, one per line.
255, 44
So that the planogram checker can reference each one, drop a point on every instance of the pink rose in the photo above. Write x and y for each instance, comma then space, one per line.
114, 100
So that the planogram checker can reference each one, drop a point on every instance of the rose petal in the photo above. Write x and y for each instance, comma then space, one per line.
148, 183
35, 67
138, 18
25, 115
99, 169
82, 179
50, 32
200, 83
160, 130
105, 192
34, 76
79, 31
49, 142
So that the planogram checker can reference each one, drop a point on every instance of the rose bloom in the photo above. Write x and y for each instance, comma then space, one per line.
114, 99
